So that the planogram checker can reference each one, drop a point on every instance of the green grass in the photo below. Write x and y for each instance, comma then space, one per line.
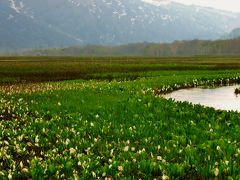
38, 69
119, 129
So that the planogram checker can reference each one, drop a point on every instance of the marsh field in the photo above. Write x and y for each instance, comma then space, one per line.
105, 118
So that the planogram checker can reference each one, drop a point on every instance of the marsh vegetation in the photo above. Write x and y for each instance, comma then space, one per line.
106, 118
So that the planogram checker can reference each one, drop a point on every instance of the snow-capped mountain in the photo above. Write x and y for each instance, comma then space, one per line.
54, 23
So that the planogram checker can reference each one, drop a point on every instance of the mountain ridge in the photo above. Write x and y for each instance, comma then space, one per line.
59, 23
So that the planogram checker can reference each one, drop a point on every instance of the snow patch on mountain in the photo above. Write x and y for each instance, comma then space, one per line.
10, 17
75, 3
167, 17
17, 7
158, 2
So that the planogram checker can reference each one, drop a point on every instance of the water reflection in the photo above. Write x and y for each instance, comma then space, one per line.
222, 98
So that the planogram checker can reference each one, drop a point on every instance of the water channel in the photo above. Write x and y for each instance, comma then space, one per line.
222, 98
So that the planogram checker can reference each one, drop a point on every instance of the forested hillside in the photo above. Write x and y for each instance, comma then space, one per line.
178, 48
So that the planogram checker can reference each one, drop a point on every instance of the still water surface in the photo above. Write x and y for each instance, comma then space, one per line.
222, 98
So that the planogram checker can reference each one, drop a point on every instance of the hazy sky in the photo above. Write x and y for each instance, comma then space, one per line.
230, 5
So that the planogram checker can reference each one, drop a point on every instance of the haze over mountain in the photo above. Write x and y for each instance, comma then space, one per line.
234, 34
58, 23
